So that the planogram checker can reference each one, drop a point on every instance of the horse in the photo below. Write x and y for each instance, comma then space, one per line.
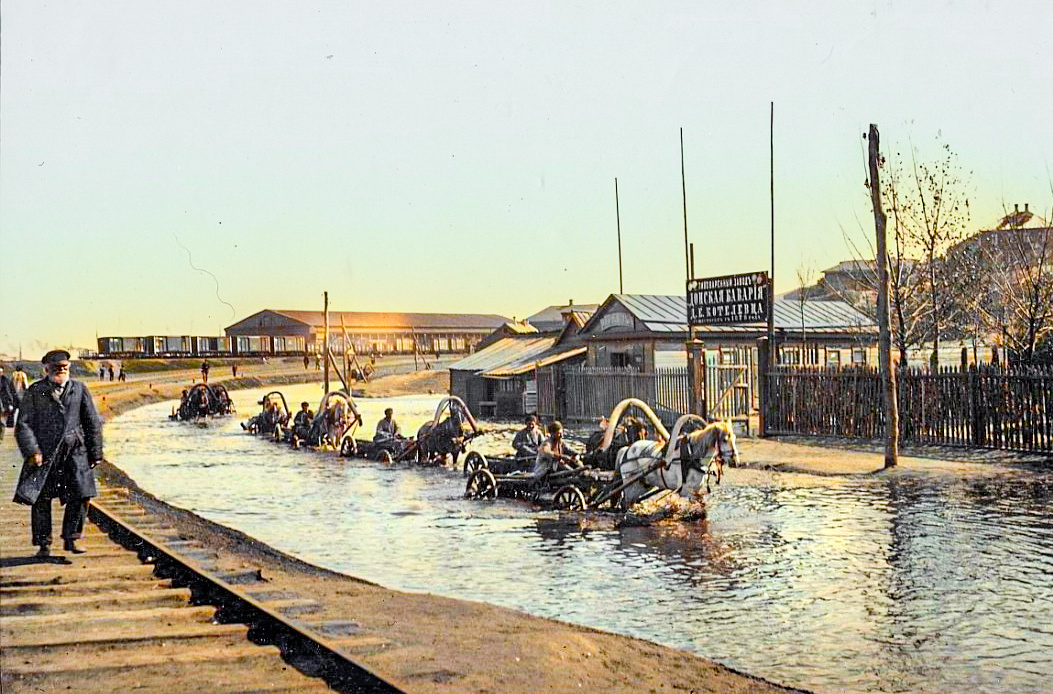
686, 464
436, 440
337, 417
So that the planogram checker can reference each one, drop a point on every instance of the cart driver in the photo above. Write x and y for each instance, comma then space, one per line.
553, 453
388, 430
529, 439
302, 420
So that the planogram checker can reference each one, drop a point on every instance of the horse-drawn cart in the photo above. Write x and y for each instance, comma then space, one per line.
203, 400
693, 455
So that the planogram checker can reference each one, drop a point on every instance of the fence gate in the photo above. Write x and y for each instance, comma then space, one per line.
729, 390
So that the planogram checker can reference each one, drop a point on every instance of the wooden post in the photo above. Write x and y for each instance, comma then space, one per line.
325, 345
888, 374
763, 348
696, 371
618, 217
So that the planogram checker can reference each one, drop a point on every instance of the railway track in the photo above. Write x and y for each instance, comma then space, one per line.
149, 611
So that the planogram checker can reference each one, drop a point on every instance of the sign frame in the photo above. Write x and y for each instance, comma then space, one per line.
729, 299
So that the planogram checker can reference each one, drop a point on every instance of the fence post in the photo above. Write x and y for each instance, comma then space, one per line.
976, 405
763, 386
696, 372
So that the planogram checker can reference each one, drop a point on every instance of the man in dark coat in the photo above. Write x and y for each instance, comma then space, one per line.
59, 433
8, 402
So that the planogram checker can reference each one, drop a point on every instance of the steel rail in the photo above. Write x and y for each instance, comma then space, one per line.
338, 671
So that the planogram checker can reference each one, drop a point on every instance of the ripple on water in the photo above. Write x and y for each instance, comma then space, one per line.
935, 583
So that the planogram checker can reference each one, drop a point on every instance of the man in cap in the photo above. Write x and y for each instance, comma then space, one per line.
8, 402
59, 433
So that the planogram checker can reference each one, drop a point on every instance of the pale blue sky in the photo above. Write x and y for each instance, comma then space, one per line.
440, 156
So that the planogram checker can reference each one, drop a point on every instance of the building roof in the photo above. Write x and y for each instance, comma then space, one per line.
505, 351
1021, 219
530, 362
668, 314
384, 320
551, 317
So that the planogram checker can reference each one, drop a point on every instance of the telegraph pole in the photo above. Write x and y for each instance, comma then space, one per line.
618, 217
325, 297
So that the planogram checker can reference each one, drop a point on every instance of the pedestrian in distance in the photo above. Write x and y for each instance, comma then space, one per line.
59, 434
234, 370
102, 372
306, 361
121, 375
8, 402
21, 381
204, 371
109, 370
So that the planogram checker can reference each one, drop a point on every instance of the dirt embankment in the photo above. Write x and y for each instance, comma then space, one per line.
427, 643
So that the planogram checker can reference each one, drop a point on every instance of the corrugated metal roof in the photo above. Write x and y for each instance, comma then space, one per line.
661, 313
518, 328
504, 351
382, 320
530, 362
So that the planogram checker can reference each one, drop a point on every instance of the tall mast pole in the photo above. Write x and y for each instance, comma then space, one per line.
683, 187
771, 276
325, 346
618, 217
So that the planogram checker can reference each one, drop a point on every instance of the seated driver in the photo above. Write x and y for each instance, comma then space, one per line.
388, 431
529, 439
302, 420
554, 453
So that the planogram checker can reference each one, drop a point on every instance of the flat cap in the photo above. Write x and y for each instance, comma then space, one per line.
55, 356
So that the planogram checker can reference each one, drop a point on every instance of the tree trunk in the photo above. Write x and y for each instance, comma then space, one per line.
888, 374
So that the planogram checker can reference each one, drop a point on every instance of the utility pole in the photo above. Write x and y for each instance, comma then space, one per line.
696, 349
325, 347
618, 217
888, 374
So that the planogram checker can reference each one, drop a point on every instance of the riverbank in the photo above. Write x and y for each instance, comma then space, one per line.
423, 642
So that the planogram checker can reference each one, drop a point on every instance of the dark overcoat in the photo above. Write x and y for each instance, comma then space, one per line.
43, 422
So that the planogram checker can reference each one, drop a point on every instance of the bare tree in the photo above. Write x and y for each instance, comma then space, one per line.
1019, 262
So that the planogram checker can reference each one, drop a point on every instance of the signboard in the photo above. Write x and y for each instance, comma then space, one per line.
729, 299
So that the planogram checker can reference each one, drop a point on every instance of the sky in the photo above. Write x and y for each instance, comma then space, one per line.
169, 168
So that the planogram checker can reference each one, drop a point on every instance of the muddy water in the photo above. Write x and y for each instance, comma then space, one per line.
895, 583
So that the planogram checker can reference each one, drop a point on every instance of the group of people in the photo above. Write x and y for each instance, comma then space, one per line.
107, 370
59, 434
550, 452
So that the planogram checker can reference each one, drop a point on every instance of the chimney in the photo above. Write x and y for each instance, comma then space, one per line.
571, 302
1016, 209
1025, 206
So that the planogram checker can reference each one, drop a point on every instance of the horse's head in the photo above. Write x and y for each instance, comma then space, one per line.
718, 437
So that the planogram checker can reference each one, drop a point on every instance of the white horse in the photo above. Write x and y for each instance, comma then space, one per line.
687, 462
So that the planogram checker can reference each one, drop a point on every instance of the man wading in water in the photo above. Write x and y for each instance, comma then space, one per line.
60, 436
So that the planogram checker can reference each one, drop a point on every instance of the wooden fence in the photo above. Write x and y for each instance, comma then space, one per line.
985, 407
580, 394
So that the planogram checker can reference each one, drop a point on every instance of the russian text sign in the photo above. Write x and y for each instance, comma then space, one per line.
729, 299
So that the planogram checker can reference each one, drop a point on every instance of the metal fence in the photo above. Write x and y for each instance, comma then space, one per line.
982, 407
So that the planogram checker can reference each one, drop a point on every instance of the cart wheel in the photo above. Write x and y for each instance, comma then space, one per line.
348, 447
385, 457
474, 461
569, 498
481, 485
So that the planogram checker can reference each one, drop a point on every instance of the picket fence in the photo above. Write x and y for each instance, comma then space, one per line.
982, 407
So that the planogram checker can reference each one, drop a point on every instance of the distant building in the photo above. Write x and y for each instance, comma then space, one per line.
500, 378
369, 332
553, 318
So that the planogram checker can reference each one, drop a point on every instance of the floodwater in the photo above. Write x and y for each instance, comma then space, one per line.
906, 582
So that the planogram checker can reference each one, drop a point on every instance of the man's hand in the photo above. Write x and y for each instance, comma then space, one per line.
38, 459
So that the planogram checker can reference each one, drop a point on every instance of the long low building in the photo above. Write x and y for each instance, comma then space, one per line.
369, 332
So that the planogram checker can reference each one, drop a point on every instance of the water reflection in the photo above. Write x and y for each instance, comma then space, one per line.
890, 583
